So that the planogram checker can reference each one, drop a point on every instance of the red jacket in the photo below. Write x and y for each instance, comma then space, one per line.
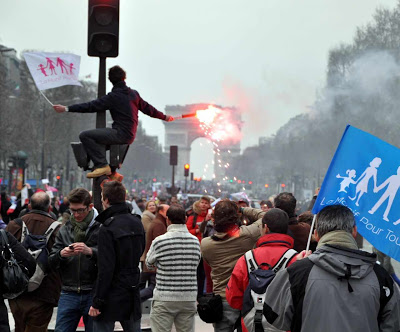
199, 220
269, 249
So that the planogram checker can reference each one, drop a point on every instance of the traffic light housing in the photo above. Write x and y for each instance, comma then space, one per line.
103, 28
58, 181
187, 168
173, 155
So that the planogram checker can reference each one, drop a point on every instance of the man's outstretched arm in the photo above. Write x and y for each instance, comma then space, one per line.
149, 110
101, 104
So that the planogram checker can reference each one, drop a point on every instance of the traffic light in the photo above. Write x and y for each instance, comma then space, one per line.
187, 167
283, 185
173, 155
58, 182
103, 28
266, 185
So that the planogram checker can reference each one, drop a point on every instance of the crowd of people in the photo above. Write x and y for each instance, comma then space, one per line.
102, 266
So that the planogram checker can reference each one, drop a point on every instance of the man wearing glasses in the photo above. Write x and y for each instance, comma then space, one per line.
74, 254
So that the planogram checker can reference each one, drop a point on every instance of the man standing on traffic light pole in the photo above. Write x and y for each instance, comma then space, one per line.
124, 104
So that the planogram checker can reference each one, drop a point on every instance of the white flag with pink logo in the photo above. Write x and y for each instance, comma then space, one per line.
52, 70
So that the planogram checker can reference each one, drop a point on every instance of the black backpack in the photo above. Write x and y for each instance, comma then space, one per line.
37, 247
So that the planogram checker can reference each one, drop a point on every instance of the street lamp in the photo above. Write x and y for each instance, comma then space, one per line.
10, 165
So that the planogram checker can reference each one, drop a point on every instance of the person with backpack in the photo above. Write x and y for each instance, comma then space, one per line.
32, 310
336, 288
74, 255
274, 251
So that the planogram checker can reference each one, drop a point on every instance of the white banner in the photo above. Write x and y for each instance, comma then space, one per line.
24, 196
52, 70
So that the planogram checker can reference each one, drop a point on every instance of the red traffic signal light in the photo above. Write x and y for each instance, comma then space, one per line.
103, 28
58, 177
283, 185
187, 167
154, 179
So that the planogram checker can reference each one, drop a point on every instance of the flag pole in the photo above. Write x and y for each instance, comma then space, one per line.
46, 98
311, 231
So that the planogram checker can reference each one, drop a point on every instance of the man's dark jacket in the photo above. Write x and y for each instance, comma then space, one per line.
38, 222
121, 242
124, 104
78, 273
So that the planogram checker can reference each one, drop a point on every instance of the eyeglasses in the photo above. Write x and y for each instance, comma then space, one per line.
78, 211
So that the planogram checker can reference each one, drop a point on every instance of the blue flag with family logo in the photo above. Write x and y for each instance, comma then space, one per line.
364, 175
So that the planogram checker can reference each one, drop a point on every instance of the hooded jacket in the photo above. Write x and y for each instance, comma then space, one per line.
124, 105
337, 288
199, 216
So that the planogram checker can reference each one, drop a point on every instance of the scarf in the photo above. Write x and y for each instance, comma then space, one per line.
338, 238
79, 228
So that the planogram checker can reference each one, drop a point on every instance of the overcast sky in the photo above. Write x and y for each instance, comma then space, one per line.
267, 57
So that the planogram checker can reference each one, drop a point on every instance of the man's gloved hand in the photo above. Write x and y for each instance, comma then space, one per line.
169, 118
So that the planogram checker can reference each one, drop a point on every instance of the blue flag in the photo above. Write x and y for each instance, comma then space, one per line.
364, 175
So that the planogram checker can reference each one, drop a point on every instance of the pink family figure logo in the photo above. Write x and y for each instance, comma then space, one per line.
71, 68
50, 64
42, 69
62, 65
50, 69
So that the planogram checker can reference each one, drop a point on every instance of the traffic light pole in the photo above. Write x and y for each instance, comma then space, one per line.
100, 123
173, 178
101, 91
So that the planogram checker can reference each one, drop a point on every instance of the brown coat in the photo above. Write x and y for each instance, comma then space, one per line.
157, 227
299, 231
147, 219
38, 222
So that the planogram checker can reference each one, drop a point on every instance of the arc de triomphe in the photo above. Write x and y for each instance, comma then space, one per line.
183, 132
